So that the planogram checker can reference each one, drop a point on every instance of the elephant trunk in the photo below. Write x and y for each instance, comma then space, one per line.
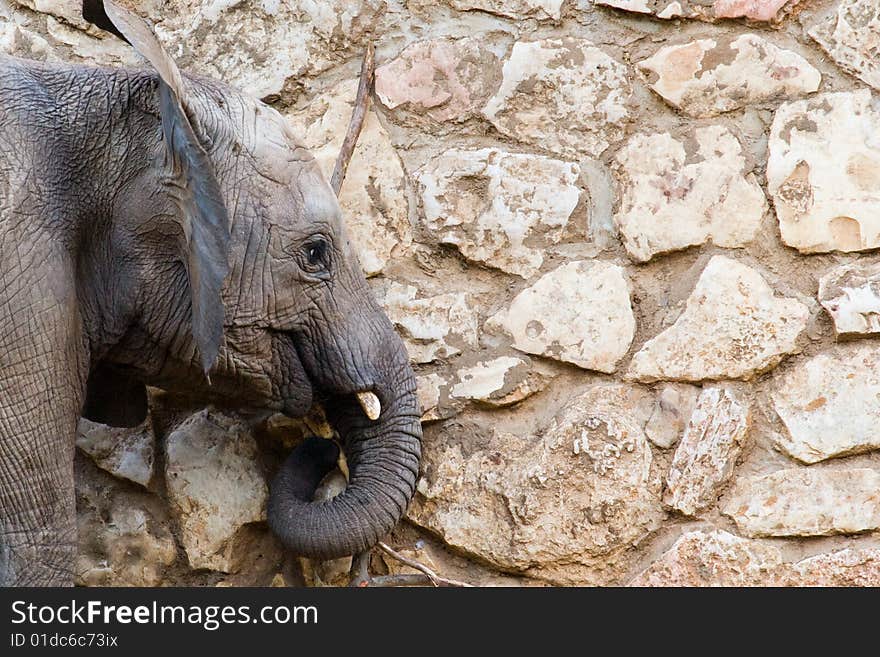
383, 461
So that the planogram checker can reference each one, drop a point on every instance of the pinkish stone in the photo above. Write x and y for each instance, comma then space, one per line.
758, 10
704, 10
445, 79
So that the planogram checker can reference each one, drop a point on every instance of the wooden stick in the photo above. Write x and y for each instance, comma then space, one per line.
358, 116
432, 577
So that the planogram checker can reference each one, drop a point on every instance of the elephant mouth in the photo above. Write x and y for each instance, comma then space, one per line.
373, 419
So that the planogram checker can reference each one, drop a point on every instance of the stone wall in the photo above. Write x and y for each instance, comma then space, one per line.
630, 247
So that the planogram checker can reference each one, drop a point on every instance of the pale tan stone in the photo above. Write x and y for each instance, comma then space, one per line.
707, 77
125, 453
564, 504
718, 558
672, 410
676, 193
215, 486
713, 558
830, 404
498, 382
732, 327
540, 9
498, 208
707, 453
823, 172
851, 295
434, 326
578, 313
806, 502
443, 79
851, 36
259, 50
849, 567
564, 95
757, 10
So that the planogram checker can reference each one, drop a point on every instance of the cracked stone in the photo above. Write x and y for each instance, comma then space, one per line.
851, 37
500, 209
704, 460
733, 327
579, 313
564, 95
718, 558
806, 502
830, 404
564, 505
707, 77
823, 172
677, 194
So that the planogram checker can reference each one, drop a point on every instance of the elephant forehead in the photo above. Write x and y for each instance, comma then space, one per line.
276, 151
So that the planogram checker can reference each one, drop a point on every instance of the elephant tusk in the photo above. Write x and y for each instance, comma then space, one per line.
370, 403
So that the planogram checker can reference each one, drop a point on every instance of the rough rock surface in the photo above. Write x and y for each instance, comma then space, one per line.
672, 410
227, 41
678, 193
823, 172
707, 77
711, 10
851, 295
432, 327
852, 38
540, 9
563, 505
830, 404
563, 95
124, 537
713, 558
215, 486
498, 382
579, 313
532, 200
718, 558
806, 502
849, 567
125, 453
373, 197
430, 389
442, 79
705, 457
732, 327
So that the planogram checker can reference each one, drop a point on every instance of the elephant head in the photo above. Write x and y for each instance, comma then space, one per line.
230, 275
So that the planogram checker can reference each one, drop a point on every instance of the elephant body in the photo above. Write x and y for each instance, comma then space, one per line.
167, 230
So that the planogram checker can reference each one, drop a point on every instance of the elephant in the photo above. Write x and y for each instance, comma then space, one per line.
164, 229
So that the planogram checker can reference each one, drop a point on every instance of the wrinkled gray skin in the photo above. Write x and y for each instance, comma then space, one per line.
96, 299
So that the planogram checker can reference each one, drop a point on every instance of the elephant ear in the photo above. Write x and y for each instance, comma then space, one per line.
194, 185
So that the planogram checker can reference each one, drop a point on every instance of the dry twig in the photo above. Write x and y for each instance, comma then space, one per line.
429, 576
358, 116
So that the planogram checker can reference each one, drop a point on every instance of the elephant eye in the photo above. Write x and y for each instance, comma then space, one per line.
316, 252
